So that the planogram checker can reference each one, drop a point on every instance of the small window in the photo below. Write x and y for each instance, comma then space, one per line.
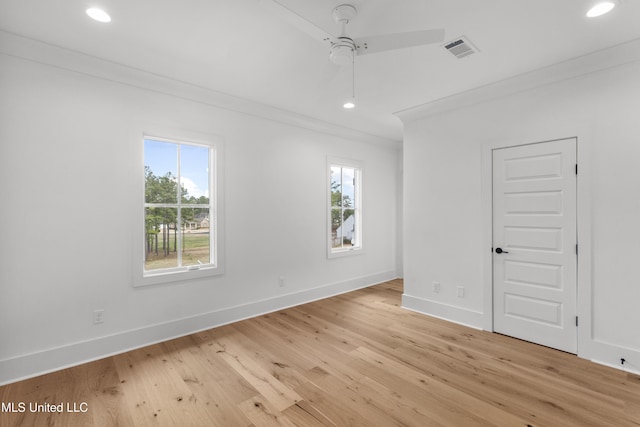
180, 210
345, 213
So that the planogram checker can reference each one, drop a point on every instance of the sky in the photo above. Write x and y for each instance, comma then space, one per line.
347, 177
162, 157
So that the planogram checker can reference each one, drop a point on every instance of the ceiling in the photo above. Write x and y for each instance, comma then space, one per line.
245, 49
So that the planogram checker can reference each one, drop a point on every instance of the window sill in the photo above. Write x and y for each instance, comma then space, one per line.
167, 277
339, 253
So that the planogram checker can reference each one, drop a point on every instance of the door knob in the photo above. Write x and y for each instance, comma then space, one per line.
500, 251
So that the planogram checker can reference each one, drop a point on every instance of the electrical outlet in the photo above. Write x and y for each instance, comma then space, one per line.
460, 291
281, 281
436, 287
98, 316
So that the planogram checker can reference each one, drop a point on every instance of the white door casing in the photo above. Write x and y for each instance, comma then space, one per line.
534, 226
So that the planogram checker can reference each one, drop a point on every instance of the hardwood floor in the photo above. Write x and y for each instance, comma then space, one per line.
354, 359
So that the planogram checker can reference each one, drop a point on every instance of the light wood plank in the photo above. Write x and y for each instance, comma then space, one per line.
262, 413
202, 378
244, 363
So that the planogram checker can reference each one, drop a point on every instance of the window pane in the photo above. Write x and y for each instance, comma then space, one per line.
196, 236
348, 227
161, 239
336, 228
348, 187
336, 186
160, 171
194, 174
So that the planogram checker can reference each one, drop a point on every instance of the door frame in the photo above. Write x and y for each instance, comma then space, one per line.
584, 299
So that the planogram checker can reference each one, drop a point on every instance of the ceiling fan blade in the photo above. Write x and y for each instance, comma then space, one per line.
297, 21
381, 43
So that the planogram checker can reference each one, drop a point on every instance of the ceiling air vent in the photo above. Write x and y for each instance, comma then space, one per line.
461, 47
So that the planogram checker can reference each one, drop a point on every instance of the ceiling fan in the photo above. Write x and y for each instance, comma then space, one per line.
344, 48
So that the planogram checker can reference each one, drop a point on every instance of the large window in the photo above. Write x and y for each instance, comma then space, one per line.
180, 210
344, 207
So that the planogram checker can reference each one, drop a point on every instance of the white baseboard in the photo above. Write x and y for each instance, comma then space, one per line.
609, 354
42, 362
462, 316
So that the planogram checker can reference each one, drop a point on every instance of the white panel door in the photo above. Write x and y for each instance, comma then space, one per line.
534, 243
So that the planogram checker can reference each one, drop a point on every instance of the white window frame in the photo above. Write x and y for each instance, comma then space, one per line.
358, 247
144, 277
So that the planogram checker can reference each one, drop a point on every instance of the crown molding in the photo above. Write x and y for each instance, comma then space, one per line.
615, 56
44, 53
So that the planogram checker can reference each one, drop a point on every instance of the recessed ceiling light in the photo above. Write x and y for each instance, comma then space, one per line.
98, 14
601, 8
348, 105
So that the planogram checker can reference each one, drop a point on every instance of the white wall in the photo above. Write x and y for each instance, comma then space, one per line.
597, 100
69, 169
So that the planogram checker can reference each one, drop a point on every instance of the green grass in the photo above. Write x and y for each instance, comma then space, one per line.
195, 247
195, 241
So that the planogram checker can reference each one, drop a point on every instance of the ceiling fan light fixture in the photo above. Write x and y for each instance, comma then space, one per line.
342, 51
349, 104
341, 57
601, 8
98, 14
